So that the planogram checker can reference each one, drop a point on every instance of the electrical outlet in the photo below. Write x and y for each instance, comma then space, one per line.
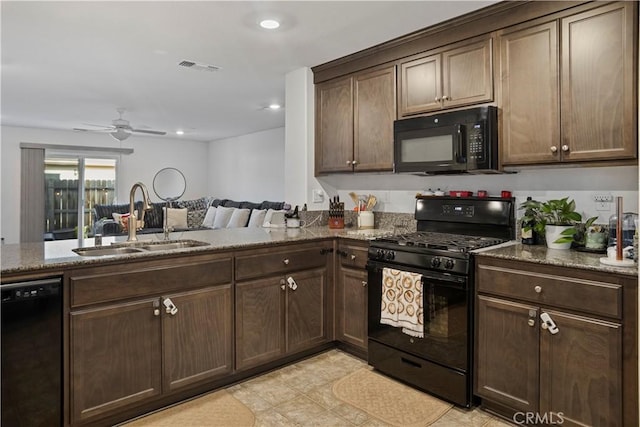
318, 196
603, 206
602, 197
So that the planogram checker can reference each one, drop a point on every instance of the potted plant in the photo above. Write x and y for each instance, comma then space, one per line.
554, 219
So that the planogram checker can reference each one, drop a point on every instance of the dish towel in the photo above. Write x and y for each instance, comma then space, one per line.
401, 304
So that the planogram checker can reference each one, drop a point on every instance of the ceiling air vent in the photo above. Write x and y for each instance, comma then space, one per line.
195, 66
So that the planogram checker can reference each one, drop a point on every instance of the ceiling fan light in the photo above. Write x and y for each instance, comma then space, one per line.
120, 134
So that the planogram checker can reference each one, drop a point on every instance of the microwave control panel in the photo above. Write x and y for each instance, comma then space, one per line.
476, 143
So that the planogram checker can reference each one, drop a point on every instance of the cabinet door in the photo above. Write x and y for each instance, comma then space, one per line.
334, 126
375, 111
529, 95
467, 76
581, 370
198, 338
351, 301
507, 353
306, 323
115, 357
260, 315
599, 83
420, 85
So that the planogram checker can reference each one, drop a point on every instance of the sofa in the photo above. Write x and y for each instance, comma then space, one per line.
106, 223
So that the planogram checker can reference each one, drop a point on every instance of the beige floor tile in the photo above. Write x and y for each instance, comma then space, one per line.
272, 390
323, 395
351, 413
327, 419
300, 410
252, 400
271, 418
463, 418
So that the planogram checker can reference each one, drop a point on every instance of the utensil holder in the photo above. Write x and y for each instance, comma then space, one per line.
365, 220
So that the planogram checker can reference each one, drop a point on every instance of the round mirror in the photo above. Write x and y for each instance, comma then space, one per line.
169, 184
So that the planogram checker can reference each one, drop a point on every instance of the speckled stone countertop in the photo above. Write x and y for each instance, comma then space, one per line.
540, 254
58, 255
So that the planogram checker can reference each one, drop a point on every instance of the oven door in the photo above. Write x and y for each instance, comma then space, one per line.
437, 149
446, 311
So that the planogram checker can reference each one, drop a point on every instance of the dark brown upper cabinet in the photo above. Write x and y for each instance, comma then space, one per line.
354, 122
568, 88
460, 75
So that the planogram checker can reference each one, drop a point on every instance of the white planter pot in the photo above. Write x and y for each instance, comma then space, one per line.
553, 233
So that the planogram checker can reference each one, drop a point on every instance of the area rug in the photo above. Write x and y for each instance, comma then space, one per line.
388, 400
219, 409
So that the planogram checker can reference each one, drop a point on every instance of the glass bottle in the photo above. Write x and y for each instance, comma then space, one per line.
527, 232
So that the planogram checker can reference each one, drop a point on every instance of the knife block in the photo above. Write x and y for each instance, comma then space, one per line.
336, 222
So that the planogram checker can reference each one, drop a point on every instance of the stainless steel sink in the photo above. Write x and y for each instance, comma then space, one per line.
171, 244
105, 251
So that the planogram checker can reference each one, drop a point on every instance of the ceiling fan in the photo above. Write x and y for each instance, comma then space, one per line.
120, 128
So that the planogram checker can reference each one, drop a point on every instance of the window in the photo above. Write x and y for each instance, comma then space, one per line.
73, 185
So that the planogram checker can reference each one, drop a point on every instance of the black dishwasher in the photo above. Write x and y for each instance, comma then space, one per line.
31, 348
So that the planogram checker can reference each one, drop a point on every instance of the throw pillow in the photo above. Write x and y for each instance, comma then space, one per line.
269, 215
223, 215
123, 220
239, 218
195, 217
209, 217
176, 218
257, 217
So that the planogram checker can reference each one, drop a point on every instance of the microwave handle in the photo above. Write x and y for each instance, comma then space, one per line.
460, 154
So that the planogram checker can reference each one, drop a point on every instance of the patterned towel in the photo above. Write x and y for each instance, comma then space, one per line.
401, 304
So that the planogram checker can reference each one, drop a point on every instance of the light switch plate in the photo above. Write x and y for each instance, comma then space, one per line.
318, 196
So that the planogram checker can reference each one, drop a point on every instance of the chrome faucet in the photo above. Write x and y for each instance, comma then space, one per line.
146, 205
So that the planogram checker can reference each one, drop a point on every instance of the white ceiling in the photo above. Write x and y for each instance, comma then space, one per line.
65, 64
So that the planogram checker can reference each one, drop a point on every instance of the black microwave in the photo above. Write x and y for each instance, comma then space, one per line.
463, 141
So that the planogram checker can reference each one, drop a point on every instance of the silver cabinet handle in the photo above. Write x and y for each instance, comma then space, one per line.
565, 148
353, 257
364, 283
283, 285
532, 322
348, 162
554, 149
355, 162
286, 261
538, 289
437, 99
156, 312
445, 98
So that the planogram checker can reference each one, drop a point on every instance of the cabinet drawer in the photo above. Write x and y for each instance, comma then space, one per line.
103, 284
580, 294
261, 264
353, 256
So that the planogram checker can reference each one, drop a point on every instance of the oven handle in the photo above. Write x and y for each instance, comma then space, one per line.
444, 278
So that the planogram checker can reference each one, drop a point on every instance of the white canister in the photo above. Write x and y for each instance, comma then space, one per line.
365, 220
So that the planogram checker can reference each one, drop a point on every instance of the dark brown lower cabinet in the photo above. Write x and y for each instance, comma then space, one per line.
583, 372
351, 296
115, 357
275, 318
128, 349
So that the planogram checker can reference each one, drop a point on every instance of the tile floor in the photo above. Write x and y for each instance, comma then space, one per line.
300, 395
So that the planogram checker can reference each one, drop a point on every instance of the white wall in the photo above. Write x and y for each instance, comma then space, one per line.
150, 155
248, 167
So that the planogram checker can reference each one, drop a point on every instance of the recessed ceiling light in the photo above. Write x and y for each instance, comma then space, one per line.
274, 107
179, 132
269, 24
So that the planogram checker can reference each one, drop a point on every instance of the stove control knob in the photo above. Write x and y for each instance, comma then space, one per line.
435, 262
379, 254
390, 255
449, 263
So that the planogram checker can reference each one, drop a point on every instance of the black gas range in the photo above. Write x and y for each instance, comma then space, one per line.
440, 255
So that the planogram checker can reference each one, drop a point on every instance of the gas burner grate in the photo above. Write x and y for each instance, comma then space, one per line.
443, 241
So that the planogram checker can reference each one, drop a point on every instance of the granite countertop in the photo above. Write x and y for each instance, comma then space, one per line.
540, 254
58, 255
